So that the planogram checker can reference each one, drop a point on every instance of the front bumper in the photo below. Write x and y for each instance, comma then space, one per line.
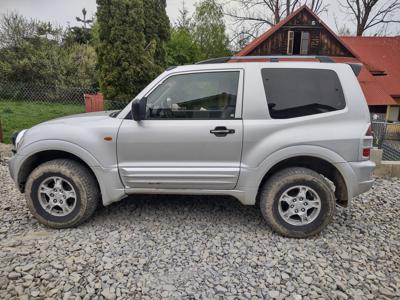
13, 167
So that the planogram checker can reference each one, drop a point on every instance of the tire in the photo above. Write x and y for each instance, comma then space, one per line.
68, 195
306, 188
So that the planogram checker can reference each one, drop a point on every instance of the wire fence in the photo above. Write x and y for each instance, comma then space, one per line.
23, 105
51, 94
386, 136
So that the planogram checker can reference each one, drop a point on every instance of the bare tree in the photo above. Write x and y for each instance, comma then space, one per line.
369, 14
252, 16
342, 28
15, 28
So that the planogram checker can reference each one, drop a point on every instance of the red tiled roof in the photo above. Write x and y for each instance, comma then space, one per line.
374, 93
379, 54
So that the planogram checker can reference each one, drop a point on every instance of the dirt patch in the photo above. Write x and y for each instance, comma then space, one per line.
5, 151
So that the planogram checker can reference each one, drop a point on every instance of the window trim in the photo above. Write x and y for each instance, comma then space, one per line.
312, 116
239, 99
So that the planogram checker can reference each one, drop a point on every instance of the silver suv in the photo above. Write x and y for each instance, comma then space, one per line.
292, 137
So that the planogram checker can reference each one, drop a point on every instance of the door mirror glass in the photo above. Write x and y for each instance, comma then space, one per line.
139, 109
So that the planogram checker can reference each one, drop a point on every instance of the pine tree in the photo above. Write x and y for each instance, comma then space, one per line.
156, 30
124, 65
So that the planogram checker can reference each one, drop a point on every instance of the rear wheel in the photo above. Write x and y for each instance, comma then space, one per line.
61, 193
297, 202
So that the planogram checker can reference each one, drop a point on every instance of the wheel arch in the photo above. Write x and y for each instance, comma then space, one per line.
40, 157
317, 164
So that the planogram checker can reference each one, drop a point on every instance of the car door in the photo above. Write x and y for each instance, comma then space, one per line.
191, 137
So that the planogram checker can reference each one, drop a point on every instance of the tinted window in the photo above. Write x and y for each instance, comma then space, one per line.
210, 95
301, 92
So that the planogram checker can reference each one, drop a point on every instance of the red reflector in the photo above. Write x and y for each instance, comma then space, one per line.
366, 152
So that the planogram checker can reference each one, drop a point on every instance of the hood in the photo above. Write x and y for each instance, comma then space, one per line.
83, 129
81, 118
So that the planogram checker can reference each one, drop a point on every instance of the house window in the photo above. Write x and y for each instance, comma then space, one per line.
298, 42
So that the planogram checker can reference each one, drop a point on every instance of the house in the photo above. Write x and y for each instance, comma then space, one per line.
304, 33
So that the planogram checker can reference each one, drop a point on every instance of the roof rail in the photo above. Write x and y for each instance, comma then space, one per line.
356, 67
272, 58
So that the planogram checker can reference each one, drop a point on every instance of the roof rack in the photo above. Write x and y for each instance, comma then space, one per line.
356, 67
272, 58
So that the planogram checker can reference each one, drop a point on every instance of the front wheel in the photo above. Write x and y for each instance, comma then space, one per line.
61, 193
297, 202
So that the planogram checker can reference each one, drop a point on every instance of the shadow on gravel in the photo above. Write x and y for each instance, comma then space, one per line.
187, 209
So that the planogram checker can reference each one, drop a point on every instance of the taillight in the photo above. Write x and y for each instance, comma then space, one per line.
366, 152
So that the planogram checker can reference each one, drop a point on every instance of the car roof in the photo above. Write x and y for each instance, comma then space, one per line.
259, 65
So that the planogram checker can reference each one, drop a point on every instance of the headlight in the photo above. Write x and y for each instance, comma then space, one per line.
18, 137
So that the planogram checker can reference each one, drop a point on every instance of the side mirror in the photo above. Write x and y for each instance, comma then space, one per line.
139, 109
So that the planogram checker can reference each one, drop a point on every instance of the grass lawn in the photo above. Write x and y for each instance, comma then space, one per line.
20, 115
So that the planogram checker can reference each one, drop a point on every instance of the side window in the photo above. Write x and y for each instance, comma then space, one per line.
295, 93
209, 95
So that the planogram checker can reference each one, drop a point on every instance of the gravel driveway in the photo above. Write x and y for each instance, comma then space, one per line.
199, 248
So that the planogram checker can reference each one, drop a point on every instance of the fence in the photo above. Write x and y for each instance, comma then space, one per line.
50, 94
23, 105
386, 136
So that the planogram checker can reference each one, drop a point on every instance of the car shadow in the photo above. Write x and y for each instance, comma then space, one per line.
182, 210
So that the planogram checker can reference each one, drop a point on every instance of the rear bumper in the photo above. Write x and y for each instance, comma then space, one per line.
363, 176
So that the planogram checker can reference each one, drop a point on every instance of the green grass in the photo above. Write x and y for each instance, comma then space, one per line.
19, 115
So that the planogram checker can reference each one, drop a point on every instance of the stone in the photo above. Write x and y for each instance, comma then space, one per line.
14, 275
108, 294
387, 292
307, 279
274, 294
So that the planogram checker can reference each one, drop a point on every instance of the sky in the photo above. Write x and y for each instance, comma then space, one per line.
63, 12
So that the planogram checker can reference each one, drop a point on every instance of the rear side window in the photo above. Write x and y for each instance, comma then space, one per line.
295, 93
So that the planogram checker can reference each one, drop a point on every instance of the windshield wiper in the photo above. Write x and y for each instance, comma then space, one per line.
114, 113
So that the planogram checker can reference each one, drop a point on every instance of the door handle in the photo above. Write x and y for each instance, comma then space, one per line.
221, 131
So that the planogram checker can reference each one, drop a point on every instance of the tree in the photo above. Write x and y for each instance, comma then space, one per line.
181, 48
209, 29
156, 30
183, 18
341, 29
82, 34
14, 29
124, 64
29, 50
78, 66
252, 16
83, 20
369, 14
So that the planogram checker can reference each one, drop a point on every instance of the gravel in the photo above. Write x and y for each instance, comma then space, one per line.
148, 247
